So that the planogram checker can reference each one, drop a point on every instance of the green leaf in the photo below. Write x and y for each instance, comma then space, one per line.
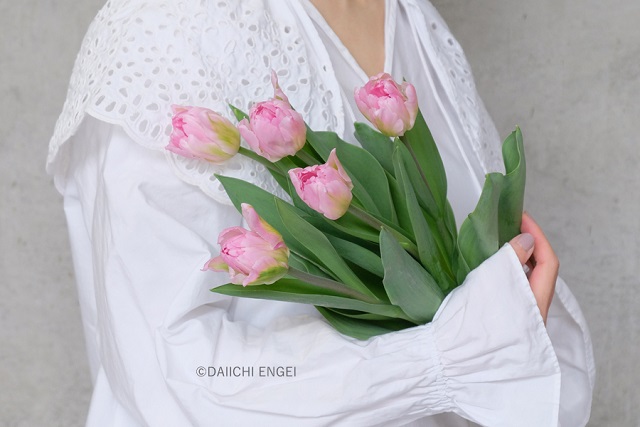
322, 142
369, 179
238, 113
299, 263
379, 145
496, 219
309, 153
400, 203
512, 195
285, 164
442, 223
348, 227
429, 251
282, 180
450, 225
359, 315
425, 151
417, 179
294, 290
317, 247
362, 329
373, 282
358, 255
478, 238
408, 284
460, 267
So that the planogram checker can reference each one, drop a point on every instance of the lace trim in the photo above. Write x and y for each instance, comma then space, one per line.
139, 57
460, 87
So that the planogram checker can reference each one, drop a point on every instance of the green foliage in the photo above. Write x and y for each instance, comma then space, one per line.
317, 247
430, 252
375, 143
362, 329
425, 153
238, 113
498, 214
408, 284
389, 262
369, 180
294, 290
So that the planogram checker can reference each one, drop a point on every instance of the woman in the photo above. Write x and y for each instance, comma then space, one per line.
165, 351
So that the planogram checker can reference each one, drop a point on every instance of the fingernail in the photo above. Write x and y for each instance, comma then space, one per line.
525, 240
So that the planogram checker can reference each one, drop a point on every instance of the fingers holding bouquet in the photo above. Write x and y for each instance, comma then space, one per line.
535, 252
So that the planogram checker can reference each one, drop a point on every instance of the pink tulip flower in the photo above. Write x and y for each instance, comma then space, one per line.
390, 107
202, 133
251, 257
325, 188
274, 129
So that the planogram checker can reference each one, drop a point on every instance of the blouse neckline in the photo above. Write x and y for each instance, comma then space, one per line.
390, 11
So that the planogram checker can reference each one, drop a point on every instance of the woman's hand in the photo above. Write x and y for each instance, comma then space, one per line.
535, 252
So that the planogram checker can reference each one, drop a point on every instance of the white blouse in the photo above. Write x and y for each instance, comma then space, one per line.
465, 174
164, 351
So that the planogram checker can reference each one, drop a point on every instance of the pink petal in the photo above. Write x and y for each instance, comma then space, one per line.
236, 277
246, 130
216, 264
260, 226
277, 91
334, 163
411, 103
265, 271
176, 109
312, 195
336, 200
230, 233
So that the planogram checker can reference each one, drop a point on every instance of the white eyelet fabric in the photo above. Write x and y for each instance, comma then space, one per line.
460, 87
140, 57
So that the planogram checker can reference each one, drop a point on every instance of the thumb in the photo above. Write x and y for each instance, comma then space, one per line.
522, 244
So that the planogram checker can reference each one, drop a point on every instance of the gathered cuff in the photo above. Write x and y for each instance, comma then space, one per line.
498, 362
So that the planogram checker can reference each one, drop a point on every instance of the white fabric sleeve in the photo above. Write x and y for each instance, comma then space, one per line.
486, 355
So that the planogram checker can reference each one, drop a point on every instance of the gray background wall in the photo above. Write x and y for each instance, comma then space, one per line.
566, 71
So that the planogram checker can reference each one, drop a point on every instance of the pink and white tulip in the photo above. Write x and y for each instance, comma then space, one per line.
274, 129
390, 107
201, 133
324, 188
251, 257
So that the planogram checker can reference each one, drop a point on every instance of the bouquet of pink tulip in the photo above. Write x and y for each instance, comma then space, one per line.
368, 237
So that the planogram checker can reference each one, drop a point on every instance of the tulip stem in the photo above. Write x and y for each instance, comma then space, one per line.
258, 158
330, 285
374, 222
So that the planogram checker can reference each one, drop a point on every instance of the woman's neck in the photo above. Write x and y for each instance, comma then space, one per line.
360, 26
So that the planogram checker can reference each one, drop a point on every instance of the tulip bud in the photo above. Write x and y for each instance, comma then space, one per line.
390, 107
251, 257
325, 188
202, 133
274, 129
